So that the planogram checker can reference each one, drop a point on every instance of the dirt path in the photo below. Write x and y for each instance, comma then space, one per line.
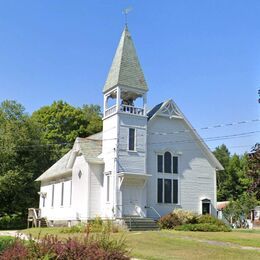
13, 233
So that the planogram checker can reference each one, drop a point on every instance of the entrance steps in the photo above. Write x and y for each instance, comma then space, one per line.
134, 223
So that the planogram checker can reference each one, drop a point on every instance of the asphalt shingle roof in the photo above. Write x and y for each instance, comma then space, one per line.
89, 147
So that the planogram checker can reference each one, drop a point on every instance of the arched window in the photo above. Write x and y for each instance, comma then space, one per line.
167, 162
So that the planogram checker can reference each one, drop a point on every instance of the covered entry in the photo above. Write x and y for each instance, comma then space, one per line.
133, 191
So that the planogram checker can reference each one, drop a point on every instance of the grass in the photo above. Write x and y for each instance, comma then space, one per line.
180, 244
4, 241
236, 237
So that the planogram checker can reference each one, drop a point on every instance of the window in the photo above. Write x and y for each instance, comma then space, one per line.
131, 141
167, 183
108, 187
205, 206
62, 194
175, 191
167, 191
52, 196
167, 162
160, 191
70, 192
175, 164
159, 163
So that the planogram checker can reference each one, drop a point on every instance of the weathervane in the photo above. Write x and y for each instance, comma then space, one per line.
125, 12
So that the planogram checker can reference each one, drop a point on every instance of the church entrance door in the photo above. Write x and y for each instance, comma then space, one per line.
132, 200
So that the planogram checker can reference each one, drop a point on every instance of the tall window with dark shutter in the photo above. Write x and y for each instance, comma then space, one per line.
167, 162
159, 163
131, 141
167, 190
175, 164
175, 192
160, 191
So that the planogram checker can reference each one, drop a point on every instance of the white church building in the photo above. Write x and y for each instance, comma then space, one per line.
144, 163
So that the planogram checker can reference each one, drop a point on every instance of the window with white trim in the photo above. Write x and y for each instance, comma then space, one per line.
70, 192
62, 194
166, 163
167, 182
131, 139
52, 195
167, 190
108, 188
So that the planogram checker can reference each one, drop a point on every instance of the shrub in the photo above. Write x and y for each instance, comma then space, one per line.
205, 227
176, 218
209, 219
17, 250
186, 217
95, 247
14, 221
169, 221
5, 242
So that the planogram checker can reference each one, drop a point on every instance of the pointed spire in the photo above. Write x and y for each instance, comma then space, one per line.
125, 69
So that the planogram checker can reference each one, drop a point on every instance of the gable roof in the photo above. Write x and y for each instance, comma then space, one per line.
153, 111
57, 169
176, 112
125, 69
90, 147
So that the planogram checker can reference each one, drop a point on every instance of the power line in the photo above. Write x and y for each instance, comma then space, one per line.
208, 127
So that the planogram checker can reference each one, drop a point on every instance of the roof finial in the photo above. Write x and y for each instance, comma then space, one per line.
125, 12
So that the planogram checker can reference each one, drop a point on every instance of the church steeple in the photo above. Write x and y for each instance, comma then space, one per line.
125, 86
125, 69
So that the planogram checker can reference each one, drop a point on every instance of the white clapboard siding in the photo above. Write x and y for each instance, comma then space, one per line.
96, 185
196, 175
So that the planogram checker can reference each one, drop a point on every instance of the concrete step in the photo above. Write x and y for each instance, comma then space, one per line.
138, 223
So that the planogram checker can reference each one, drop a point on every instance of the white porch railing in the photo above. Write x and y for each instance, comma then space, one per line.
132, 110
126, 109
110, 111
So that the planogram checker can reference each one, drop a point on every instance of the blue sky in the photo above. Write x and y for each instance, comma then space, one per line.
205, 55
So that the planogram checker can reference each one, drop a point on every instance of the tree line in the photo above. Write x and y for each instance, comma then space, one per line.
30, 144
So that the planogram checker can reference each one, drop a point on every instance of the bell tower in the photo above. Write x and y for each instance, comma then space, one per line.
124, 132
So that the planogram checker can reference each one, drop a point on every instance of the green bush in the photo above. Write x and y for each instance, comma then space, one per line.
205, 227
209, 219
14, 221
169, 221
5, 242
176, 218
185, 216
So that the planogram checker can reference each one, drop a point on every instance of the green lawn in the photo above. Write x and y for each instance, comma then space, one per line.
181, 245
5, 241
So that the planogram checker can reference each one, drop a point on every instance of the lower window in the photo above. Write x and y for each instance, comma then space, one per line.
167, 191
205, 206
